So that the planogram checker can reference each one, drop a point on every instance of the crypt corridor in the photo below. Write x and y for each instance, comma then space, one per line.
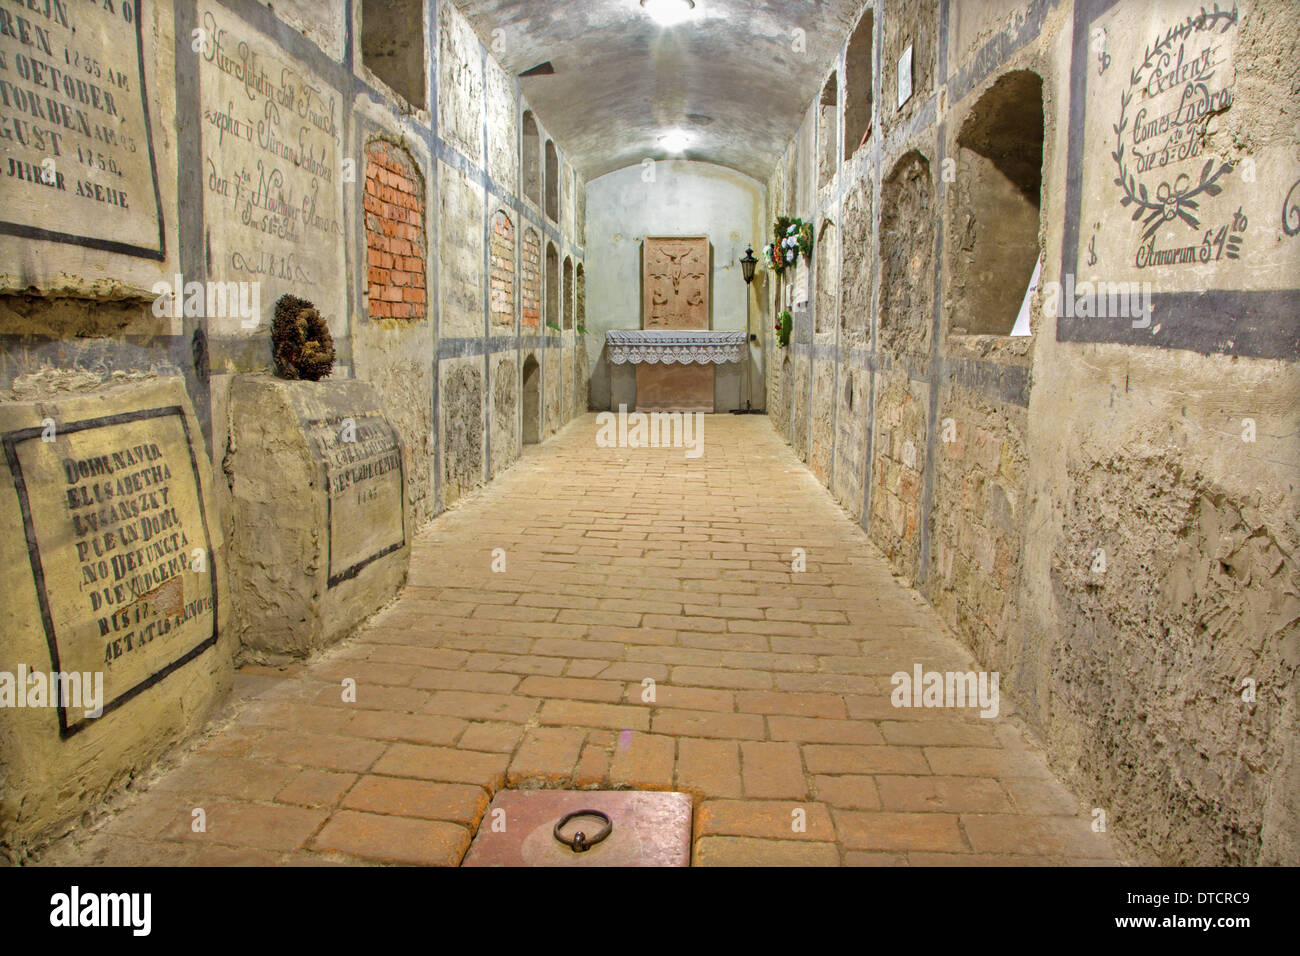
771, 687
325, 523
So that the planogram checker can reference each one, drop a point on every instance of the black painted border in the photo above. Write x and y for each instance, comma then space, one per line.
10, 441
348, 574
109, 245
1252, 324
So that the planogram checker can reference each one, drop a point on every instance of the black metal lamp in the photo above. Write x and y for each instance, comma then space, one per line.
747, 264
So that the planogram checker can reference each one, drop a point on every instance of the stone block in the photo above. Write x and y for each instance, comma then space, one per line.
319, 530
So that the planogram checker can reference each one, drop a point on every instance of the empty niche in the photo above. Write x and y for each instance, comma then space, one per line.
568, 292
580, 297
392, 45
552, 285
532, 404
996, 202
828, 131
906, 256
503, 271
532, 159
828, 277
858, 72
552, 182
531, 313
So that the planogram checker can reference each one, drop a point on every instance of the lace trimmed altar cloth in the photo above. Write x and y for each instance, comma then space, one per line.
674, 347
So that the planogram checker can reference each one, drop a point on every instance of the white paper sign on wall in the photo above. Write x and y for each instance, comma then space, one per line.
1022, 320
905, 76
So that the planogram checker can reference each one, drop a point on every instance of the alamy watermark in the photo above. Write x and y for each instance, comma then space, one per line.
651, 430
75, 689
946, 689
212, 300
133, 911
1098, 300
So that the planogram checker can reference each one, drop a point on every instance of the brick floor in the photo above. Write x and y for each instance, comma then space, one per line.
648, 631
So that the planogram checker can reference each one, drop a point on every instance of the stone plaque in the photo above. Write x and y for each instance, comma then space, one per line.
676, 283
78, 161
320, 464
272, 171
117, 537
362, 462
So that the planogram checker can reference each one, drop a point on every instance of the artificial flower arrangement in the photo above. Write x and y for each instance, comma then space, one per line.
794, 237
784, 326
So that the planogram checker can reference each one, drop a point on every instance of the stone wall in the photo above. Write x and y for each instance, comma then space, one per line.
370, 188
1098, 508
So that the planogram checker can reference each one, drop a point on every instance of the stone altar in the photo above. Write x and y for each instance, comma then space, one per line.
674, 369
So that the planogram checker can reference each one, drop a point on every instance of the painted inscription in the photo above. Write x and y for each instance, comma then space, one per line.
77, 162
362, 460
119, 548
1162, 170
1172, 200
272, 172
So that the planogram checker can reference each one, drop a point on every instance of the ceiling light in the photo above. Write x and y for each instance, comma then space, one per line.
669, 13
675, 141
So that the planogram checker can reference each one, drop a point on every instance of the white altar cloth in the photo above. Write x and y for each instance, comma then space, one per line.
674, 347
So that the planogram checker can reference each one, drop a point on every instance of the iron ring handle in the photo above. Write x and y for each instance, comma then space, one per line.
580, 843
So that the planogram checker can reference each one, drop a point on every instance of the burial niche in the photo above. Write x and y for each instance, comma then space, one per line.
552, 182
855, 290
581, 298
857, 85
996, 197
828, 131
503, 271
392, 45
532, 279
394, 201
828, 278
906, 256
568, 292
532, 159
552, 285
532, 401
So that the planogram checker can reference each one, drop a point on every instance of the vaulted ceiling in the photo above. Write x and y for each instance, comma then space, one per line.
736, 77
